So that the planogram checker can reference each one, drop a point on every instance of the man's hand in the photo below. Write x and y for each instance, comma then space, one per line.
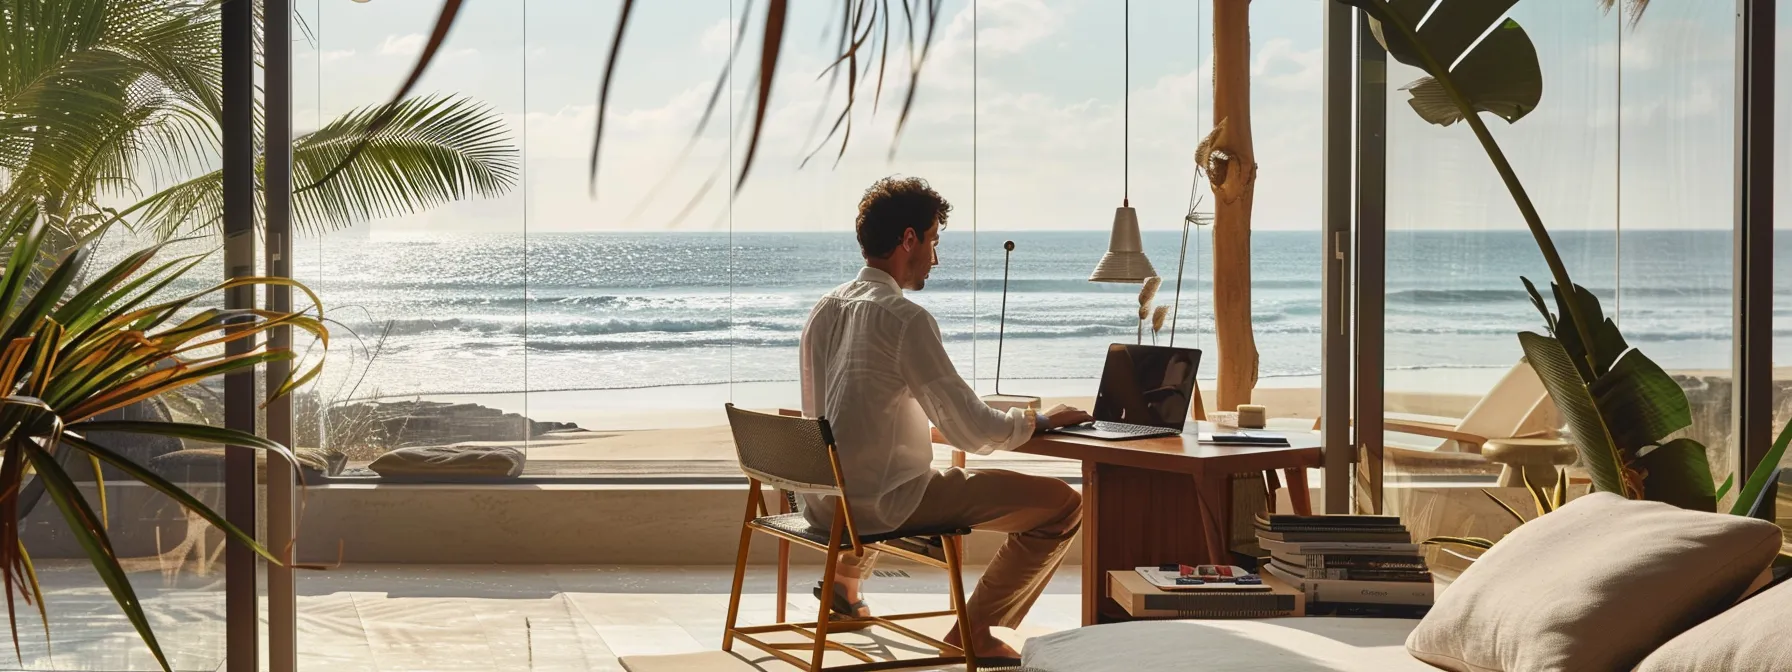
1065, 416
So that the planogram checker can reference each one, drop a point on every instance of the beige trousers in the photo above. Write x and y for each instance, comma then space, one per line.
1040, 514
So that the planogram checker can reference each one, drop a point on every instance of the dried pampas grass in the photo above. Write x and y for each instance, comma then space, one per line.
1158, 317
1148, 293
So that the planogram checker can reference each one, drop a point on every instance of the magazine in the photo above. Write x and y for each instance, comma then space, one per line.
1215, 578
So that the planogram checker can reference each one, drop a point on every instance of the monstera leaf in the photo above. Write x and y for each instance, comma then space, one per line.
1498, 74
1620, 406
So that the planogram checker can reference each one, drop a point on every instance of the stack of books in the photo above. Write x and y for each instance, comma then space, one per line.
1364, 565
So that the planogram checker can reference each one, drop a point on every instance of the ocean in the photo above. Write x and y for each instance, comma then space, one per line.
450, 314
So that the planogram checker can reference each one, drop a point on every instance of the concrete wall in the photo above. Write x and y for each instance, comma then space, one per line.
516, 524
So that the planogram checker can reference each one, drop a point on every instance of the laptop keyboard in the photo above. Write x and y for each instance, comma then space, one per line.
1124, 428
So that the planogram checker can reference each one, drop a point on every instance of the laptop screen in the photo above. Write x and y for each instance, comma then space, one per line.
1147, 385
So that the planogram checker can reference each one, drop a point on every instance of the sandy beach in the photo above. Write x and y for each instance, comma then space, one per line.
640, 431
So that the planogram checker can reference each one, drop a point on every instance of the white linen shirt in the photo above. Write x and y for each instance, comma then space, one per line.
874, 366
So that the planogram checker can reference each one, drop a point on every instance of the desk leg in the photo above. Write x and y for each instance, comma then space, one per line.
1297, 491
1215, 494
1095, 585
1139, 517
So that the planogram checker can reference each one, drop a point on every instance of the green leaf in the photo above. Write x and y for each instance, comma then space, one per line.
184, 430
24, 258
1549, 319
1500, 74
83, 527
432, 150
1608, 344
1757, 479
168, 488
1729, 481
1538, 498
1505, 506
1679, 474
1641, 403
1586, 426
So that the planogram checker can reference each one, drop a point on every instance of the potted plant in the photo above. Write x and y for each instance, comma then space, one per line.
1621, 408
70, 351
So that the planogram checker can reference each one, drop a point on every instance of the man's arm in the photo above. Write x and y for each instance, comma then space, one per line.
959, 415
811, 394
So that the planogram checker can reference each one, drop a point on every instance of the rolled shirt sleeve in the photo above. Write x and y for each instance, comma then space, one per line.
950, 403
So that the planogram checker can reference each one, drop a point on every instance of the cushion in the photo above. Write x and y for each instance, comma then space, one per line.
450, 463
1318, 644
1596, 585
798, 525
1749, 637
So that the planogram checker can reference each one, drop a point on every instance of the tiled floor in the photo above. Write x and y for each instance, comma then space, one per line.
460, 617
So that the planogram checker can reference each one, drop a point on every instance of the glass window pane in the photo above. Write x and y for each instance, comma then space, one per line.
429, 295
1456, 249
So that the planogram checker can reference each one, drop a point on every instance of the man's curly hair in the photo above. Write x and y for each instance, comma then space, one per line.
894, 205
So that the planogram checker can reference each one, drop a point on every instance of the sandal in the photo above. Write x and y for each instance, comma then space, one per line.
840, 607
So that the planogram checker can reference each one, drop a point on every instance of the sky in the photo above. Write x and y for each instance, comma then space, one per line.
1021, 121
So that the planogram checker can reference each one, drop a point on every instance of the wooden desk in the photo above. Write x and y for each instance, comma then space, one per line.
1157, 501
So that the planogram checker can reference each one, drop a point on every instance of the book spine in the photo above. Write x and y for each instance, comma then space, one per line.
1382, 562
1369, 592
1337, 548
1359, 592
1346, 574
1329, 537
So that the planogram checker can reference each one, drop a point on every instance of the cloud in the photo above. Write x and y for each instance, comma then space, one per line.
411, 45
338, 54
1280, 65
716, 38
402, 45
1010, 26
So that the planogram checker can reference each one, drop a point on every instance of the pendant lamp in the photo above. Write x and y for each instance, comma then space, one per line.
1125, 260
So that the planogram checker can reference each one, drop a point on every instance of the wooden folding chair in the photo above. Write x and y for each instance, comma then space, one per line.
798, 455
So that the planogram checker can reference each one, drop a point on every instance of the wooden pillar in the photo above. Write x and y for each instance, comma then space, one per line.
1231, 166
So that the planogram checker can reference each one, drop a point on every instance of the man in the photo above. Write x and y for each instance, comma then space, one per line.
873, 364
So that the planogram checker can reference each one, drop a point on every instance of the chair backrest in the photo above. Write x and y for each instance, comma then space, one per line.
1517, 405
790, 453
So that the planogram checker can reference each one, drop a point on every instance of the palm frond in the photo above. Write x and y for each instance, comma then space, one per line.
1635, 10
93, 91
864, 29
433, 150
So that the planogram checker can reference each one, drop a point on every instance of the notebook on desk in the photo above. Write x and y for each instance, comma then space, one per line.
1243, 438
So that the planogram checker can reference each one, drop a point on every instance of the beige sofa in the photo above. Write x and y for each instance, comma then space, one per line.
1269, 645
1603, 583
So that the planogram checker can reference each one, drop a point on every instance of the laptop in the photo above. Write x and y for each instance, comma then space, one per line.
1145, 393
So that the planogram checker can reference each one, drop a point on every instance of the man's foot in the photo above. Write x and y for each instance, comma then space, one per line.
984, 644
845, 600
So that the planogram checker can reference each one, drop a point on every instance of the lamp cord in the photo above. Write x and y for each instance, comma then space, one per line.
1126, 108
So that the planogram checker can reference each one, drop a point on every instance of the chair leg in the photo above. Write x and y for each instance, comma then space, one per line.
827, 583
1298, 495
955, 568
783, 563
1271, 484
740, 568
